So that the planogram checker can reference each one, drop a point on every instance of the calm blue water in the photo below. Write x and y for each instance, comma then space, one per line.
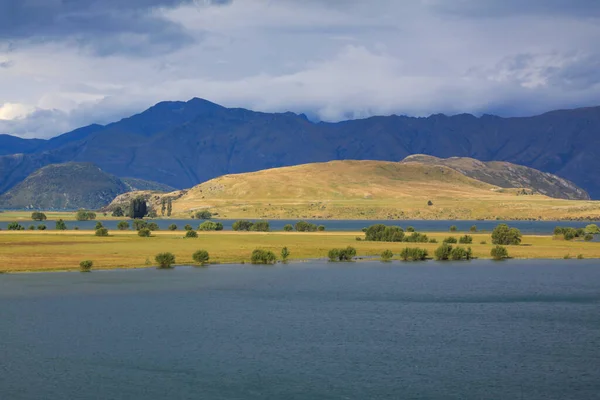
480, 330
530, 227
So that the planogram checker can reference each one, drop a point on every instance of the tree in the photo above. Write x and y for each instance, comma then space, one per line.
588, 237
333, 255
386, 255
592, 229
204, 214
41, 227
163, 206
118, 212
169, 207
99, 225
191, 234
38, 216
153, 226
410, 229
414, 254
210, 226
285, 253
504, 235
288, 228
321, 228
346, 254
260, 256
139, 224
261, 226
473, 228
459, 253
188, 227
429, 203
86, 265
15, 226
499, 253
138, 208
303, 226
172, 227
144, 232
382, 233
85, 215
242, 225
123, 225
201, 257
60, 225
152, 213
102, 232
165, 260
467, 239
453, 228
450, 239
442, 253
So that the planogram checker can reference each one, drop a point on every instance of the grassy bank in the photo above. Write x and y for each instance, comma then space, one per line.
50, 250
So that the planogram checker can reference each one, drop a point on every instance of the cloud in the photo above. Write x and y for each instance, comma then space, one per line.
97, 62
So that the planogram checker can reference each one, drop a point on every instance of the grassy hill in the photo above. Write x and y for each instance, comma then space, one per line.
369, 190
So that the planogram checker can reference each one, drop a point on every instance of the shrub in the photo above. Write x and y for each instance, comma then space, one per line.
580, 256
442, 253
139, 224
450, 239
86, 265
210, 226
15, 226
144, 232
172, 227
118, 212
592, 229
165, 260
38, 216
386, 255
153, 226
358, 239
123, 225
201, 257
453, 228
473, 228
261, 226
414, 254
152, 213
459, 253
288, 228
588, 237
433, 241
191, 234
285, 253
99, 225
204, 214
429, 203
31, 227
188, 227
260, 256
101, 232
567, 257
416, 238
504, 235
382, 233
303, 226
60, 225
333, 254
321, 228
85, 215
41, 227
499, 253
467, 239
346, 254
242, 225
410, 229
75, 228
483, 242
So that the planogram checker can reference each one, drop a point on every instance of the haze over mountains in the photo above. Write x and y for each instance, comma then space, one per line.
182, 144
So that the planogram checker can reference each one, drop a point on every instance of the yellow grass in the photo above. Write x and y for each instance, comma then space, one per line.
21, 216
47, 251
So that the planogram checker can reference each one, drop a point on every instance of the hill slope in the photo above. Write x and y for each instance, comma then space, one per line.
507, 175
183, 144
367, 190
69, 186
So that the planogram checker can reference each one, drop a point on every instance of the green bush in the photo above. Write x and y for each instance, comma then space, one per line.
588, 237
414, 254
260, 256
123, 225
172, 227
261, 226
144, 232
592, 229
15, 226
499, 253
201, 256
191, 234
433, 241
285, 253
443, 252
453, 228
382, 233
321, 228
153, 226
483, 242
473, 229
38, 216
567, 257
165, 260
288, 228
188, 227
459, 253
303, 226
102, 232
86, 265
85, 215
99, 225
416, 237
333, 254
410, 229
450, 239
242, 225
210, 226
387, 255
580, 256
504, 235
31, 227
139, 224
467, 239
204, 214
118, 212
61, 225
41, 227
346, 254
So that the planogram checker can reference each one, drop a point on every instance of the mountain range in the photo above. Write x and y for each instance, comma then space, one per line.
182, 144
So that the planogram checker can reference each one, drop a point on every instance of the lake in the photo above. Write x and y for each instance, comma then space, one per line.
367, 330
526, 227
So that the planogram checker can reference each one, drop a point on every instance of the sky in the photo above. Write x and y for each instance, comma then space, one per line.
70, 63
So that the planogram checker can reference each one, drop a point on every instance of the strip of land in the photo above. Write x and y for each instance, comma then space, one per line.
53, 251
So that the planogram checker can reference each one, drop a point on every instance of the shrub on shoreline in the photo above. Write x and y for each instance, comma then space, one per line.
123, 225
210, 226
386, 255
346, 254
86, 265
201, 257
61, 225
499, 253
15, 226
265, 257
414, 254
165, 260
285, 253
504, 235
191, 234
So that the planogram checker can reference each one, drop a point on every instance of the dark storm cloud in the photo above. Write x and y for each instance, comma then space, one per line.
103, 26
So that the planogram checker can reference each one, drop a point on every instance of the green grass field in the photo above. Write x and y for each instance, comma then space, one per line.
48, 250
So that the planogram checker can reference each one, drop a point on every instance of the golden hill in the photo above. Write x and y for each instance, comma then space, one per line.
369, 190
